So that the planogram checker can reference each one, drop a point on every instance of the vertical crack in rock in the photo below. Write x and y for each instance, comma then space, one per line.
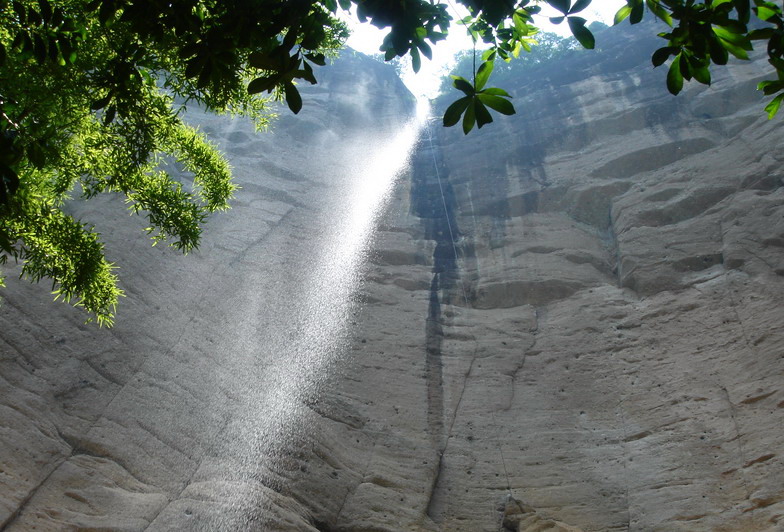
531, 348
738, 438
433, 201
434, 335
730, 405
30, 494
625, 453
615, 249
436, 503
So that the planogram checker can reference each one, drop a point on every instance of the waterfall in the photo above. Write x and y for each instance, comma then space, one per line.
288, 336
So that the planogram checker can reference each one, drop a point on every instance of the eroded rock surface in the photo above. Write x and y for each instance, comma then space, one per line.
569, 321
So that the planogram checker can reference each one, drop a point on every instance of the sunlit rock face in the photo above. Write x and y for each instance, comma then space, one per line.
567, 321
603, 344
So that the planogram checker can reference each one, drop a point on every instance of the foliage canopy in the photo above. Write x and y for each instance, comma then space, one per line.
92, 92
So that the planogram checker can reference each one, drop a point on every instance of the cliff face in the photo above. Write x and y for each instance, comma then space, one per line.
605, 352
569, 321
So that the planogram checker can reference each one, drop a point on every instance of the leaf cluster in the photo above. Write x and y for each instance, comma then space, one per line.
708, 33
88, 94
473, 106
506, 29
701, 34
548, 48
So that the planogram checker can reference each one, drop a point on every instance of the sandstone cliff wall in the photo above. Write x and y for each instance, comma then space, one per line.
569, 321
605, 352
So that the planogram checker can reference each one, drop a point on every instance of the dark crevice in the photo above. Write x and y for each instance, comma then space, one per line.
433, 200
434, 336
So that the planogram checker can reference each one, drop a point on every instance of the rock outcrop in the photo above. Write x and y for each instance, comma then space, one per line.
569, 321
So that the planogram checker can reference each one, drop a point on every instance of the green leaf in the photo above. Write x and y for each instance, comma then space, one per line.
39, 49
19, 9
105, 12
455, 111
737, 51
726, 34
659, 12
101, 103
581, 33
662, 54
560, 5
290, 39
700, 71
204, 76
770, 87
579, 5
293, 98
306, 73
436, 36
193, 66
761, 34
718, 54
502, 105
674, 76
483, 74
46, 10
765, 13
416, 61
685, 67
109, 115
9, 183
36, 155
463, 85
773, 107
470, 117
318, 59
637, 11
622, 14
520, 24
265, 83
743, 9
483, 116
425, 49
556, 20
495, 91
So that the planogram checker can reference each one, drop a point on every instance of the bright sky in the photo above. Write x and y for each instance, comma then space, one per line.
367, 39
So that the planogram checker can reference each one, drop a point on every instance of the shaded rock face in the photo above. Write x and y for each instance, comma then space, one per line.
569, 321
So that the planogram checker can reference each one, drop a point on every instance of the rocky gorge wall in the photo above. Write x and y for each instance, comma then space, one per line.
568, 321
605, 353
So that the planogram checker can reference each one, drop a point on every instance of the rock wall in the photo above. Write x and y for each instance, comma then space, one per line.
569, 321
602, 344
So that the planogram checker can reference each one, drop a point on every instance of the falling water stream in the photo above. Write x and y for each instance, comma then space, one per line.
288, 335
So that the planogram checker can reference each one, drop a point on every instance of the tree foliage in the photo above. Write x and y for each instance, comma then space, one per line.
549, 48
91, 94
